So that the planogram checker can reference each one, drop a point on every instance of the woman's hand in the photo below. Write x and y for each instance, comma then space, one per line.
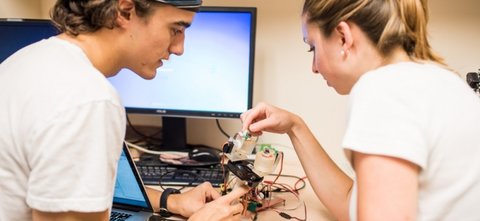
265, 117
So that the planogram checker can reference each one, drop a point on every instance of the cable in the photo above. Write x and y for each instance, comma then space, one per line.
173, 172
144, 136
287, 216
221, 129
183, 154
281, 169
300, 180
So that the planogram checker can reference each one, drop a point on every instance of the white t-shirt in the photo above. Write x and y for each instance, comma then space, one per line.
61, 130
429, 116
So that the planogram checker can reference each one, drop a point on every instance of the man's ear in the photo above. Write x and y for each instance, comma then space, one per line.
125, 10
345, 32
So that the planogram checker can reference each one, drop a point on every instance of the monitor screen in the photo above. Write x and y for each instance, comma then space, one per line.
18, 33
213, 78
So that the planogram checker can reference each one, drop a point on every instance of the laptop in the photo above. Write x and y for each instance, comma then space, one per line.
130, 201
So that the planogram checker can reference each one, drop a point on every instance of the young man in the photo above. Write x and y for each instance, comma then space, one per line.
62, 124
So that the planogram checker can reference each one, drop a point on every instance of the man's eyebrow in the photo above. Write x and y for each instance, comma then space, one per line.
183, 23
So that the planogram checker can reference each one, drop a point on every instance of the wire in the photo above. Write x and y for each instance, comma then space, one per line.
287, 216
197, 178
144, 136
276, 145
225, 178
221, 129
142, 149
281, 168
300, 180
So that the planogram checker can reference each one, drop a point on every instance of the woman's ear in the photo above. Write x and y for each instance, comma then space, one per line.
345, 32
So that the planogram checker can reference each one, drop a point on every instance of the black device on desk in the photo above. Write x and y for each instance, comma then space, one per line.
473, 80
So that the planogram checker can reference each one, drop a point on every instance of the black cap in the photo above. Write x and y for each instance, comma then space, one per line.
186, 4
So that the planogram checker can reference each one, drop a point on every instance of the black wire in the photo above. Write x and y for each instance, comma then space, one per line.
144, 136
197, 177
221, 129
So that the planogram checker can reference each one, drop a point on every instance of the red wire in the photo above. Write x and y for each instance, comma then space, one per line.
225, 183
279, 172
298, 181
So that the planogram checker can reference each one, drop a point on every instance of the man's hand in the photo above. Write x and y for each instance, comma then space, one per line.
187, 203
223, 208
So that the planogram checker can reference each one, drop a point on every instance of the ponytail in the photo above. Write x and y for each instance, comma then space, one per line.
387, 23
414, 16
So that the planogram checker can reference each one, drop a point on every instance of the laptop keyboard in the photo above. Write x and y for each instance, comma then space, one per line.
118, 216
158, 173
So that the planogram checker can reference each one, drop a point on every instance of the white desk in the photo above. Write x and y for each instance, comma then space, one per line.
315, 209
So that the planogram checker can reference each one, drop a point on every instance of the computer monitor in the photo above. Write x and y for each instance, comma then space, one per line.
18, 33
213, 78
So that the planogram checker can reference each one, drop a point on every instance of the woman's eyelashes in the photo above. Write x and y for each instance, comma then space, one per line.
311, 49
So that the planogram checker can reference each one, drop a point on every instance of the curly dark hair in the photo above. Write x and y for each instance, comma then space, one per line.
85, 16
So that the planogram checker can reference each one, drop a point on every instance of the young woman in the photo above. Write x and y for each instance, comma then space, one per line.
412, 125
62, 124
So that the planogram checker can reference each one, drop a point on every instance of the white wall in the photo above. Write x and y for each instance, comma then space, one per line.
282, 67
45, 7
455, 33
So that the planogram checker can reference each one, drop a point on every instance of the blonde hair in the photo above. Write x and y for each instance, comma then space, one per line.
387, 23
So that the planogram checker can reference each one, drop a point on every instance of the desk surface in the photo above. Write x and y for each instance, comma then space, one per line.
315, 209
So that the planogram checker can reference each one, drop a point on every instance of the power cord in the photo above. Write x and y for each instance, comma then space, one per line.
142, 149
221, 129
144, 136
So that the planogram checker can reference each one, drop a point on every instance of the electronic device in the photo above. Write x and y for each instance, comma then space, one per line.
473, 80
252, 173
204, 154
18, 33
237, 149
212, 79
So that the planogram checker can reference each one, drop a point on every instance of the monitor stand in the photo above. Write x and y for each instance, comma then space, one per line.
174, 132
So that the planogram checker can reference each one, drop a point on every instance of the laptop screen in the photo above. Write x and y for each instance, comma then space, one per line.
128, 189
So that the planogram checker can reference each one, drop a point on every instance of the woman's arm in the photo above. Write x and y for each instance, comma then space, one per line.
329, 182
387, 187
